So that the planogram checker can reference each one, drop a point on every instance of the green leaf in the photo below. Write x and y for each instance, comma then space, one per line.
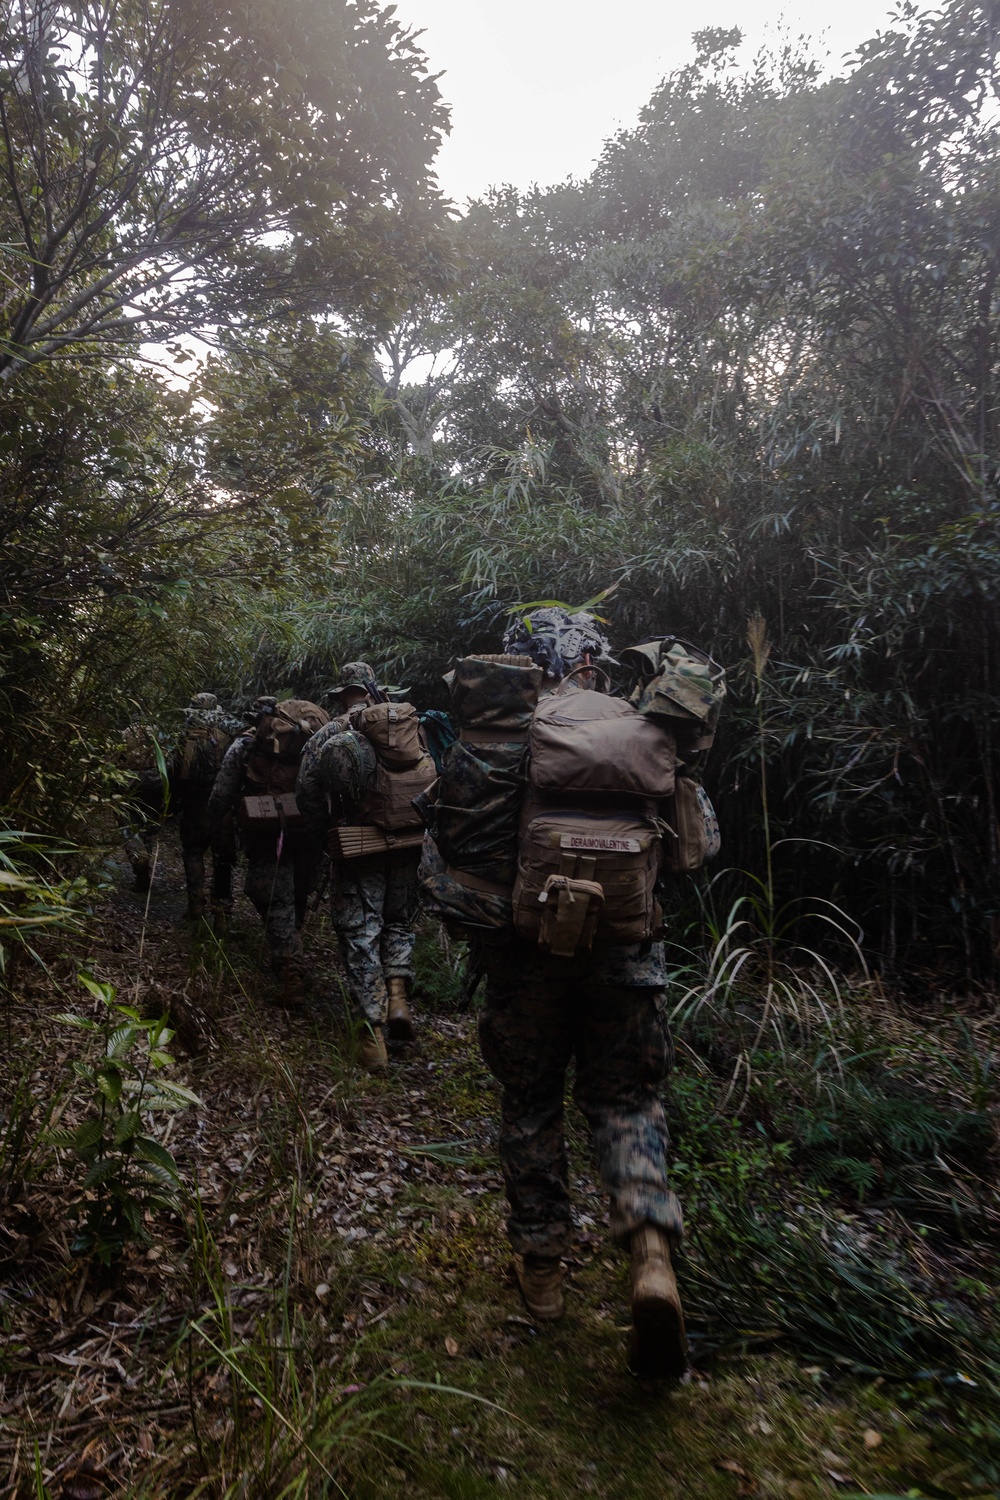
126, 1126
109, 1081
88, 1134
121, 1039
175, 1093
107, 1167
103, 992
161, 1059
151, 1151
80, 1022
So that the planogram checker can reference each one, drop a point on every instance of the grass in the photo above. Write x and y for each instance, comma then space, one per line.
334, 1315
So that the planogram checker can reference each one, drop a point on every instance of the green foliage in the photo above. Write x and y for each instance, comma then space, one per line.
33, 897
441, 970
748, 368
174, 165
129, 1173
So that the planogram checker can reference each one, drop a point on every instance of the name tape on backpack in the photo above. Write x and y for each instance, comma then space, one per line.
603, 845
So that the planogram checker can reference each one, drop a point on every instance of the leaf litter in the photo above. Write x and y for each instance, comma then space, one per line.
301, 1172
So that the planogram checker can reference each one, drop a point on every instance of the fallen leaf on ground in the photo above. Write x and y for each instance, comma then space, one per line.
451, 1347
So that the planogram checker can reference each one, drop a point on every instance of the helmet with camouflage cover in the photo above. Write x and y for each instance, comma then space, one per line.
556, 639
354, 676
204, 701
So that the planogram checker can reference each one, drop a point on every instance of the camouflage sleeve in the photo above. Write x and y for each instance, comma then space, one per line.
310, 787
227, 723
228, 786
336, 768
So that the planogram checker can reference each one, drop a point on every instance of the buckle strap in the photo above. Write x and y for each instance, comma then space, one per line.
475, 883
497, 736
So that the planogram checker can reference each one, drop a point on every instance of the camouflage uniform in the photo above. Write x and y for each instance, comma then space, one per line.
609, 1013
373, 900
190, 799
604, 1010
278, 887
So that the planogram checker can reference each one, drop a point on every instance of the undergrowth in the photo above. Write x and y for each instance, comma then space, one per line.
331, 1313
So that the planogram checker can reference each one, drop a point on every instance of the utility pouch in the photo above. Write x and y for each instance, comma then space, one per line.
694, 828
613, 855
266, 814
571, 910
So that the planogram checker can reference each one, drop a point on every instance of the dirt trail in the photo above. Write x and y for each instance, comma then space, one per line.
346, 1259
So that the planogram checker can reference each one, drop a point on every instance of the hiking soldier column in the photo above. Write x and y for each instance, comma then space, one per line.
355, 788
255, 787
553, 822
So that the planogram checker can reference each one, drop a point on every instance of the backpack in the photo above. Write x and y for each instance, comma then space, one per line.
272, 765
403, 770
469, 863
201, 753
590, 839
555, 818
681, 686
393, 731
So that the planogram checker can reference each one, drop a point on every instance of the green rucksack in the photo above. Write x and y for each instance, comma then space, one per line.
681, 685
682, 688
470, 862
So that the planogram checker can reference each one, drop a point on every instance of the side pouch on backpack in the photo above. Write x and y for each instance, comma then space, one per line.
695, 835
475, 819
465, 904
388, 803
609, 859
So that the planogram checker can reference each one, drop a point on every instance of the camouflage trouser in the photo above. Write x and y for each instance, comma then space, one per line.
540, 1013
373, 906
192, 820
279, 889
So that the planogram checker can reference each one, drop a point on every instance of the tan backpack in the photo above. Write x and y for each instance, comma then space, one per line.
587, 744
403, 770
202, 752
272, 765
393, 730
590, 845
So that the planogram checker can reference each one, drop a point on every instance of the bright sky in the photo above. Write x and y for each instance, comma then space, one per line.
536, 86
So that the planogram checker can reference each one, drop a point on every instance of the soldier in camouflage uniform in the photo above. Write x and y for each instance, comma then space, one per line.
278, 884
608, 1011
193, 765
373, 899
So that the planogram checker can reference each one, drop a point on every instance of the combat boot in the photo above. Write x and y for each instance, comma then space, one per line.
658, 1347
401, 1028
372, 1053
540, 1278
293, 984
